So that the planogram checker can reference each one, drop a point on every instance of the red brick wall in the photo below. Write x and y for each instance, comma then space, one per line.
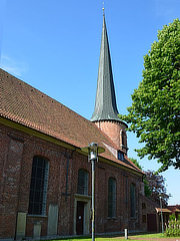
10, 181
147, 207
17, 150
113, 130
122, 219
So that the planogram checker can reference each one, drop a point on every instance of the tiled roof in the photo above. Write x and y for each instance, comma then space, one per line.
23, 104
174, 208
164, 210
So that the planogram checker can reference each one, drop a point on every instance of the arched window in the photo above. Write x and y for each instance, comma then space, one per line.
133, 200
123, 138
82, 182
38, 188
111, 197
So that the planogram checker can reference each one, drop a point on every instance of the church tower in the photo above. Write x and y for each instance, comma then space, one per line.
105, 114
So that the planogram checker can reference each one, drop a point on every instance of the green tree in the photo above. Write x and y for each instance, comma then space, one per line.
136, 163
155, 112
157, 187
147, 190
154, 185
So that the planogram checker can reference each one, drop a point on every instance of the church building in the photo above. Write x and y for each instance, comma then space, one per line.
45, 178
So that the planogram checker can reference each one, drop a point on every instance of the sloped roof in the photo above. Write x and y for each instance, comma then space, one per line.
164, 210
23, 104
174, 208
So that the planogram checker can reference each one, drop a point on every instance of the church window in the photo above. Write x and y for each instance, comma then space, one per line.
120, 156
133, 200
38, 187
111, 197
123, 138
82, 182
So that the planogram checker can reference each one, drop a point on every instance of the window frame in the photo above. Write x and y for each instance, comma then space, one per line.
112, 196
121, 155
83, 188
144, 218
133, 200
38, 208
123, 138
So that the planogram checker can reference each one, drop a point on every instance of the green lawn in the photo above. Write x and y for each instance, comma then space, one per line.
147, 235
131, 237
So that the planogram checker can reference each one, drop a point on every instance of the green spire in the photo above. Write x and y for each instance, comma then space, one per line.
105, 106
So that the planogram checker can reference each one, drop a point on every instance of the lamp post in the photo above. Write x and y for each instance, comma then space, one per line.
160, 198
93, 150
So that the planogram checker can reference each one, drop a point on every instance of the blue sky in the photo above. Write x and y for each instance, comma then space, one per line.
54, 45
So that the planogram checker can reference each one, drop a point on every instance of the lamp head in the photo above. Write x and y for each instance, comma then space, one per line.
93, 150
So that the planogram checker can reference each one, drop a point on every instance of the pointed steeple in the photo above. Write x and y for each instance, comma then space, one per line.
105, 106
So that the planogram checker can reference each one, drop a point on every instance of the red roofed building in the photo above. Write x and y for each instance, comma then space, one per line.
45, 178
175, 209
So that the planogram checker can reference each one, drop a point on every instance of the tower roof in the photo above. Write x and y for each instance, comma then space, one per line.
105, 105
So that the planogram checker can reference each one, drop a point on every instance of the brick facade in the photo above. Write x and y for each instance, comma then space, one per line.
17, 150
116, 131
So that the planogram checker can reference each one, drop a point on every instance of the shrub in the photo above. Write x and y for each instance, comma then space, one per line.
172, 217
173, 228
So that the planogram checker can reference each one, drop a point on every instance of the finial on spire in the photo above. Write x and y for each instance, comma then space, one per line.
103, 8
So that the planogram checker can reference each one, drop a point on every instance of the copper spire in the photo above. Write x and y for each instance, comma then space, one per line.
105, 105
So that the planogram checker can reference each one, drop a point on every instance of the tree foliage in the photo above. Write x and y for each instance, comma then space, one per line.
155, 112
154, 185
136, 163
157, 187
147, 191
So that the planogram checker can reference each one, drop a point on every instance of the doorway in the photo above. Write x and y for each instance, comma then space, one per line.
151, 223
82, 212
80, 218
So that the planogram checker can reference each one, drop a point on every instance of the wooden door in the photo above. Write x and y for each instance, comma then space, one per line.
80, 218
151, 223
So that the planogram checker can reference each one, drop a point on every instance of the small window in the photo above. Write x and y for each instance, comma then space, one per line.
123, 138
144, 218
143, 206
120, 156
133, 200
82, 182
111, 197
38, 187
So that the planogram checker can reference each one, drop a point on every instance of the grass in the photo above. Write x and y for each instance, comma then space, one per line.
149, 235
130, 237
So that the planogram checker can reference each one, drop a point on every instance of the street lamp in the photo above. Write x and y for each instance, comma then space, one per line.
93, 150
160, 198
